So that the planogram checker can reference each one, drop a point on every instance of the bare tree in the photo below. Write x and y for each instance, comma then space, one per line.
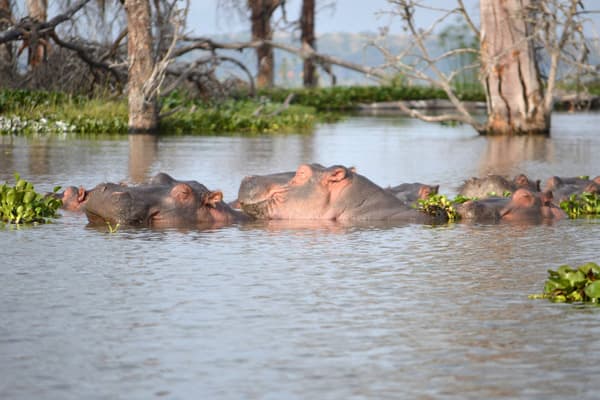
38, 46
510, 32
261, 12
307, 28
510, 74
143, 110
7, 64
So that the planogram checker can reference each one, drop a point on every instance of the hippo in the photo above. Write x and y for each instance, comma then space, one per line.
564, 187
158, 204
253, 186
496, 185
482, 210
336, 193
72, 198
410, 193
523, 205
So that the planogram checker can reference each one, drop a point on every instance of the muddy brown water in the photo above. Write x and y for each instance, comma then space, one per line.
297, 311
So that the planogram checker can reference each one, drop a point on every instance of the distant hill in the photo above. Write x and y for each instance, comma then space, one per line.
354, 47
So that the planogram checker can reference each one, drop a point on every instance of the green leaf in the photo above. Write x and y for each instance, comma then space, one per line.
575, 278
593, 290
591, 266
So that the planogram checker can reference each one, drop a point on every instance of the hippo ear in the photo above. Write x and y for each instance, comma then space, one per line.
182, 192
212, 198
425, 191
81, 194
336, 174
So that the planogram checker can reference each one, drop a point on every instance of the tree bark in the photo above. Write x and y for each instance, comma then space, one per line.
7, 64
509, 70
260, 14
307, 26
38, 47
143, 108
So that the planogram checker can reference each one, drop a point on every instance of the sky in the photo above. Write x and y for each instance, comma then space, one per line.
344, 16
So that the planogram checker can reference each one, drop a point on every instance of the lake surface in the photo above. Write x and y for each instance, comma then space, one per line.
297, 311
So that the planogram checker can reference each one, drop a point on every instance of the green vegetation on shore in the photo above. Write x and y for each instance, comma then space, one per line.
40, 112
343, 98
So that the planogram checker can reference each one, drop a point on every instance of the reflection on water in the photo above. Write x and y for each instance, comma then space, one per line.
143, 151
297, 310
503, 153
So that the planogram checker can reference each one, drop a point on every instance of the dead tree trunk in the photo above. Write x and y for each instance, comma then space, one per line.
143, 109
260, 14
7, 64
509, 70
307, 27
38, 46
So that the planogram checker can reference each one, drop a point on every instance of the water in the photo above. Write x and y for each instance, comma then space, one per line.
297, 311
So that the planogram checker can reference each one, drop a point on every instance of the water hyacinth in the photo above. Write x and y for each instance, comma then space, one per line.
581, 205
439, 204
572, 285
20, 204
18, 125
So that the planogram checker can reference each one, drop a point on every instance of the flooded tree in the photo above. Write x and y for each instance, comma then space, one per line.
143, 109
515, 36
510, 74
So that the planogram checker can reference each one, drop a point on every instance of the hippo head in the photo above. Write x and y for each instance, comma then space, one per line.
155, 205
553, 183
522, 181
427, 190
73, 198
527, 206
256, 188
307, 195
185, 205
592, 187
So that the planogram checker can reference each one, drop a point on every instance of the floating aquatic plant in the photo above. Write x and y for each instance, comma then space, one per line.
20, 204
581, 204
572, 285
438, 204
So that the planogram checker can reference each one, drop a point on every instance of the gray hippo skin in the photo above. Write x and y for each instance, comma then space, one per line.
255, 187
334, 193
159, 203
523, 205
496, 185
565, 187
409, 193
73, 198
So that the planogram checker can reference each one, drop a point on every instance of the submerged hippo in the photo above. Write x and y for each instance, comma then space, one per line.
523, 205
334, 193
563, 188
496, 185
409, 193
161, 204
